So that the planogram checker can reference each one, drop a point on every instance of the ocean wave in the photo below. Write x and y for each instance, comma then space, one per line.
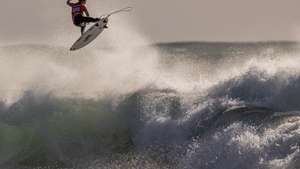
249, 119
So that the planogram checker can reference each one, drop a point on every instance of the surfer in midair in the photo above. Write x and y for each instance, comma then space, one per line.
78, 11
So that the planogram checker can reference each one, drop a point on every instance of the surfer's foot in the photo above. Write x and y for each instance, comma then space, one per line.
105, 20
105, 26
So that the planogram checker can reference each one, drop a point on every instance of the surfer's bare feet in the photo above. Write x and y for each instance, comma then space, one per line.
105, 26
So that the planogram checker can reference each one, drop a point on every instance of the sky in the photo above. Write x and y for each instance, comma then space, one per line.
160, 20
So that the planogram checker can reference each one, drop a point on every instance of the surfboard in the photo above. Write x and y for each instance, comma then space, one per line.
94, 31
88, 36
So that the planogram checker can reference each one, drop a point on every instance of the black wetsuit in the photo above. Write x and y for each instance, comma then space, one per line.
79, 19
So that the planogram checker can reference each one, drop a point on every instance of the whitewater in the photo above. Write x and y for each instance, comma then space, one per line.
130, 104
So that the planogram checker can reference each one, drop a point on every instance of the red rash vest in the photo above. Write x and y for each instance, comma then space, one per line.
77, 9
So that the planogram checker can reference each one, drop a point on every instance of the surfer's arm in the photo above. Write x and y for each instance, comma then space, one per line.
69, 3
86, 12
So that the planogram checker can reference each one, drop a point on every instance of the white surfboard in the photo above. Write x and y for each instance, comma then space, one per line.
88, 36
93, 32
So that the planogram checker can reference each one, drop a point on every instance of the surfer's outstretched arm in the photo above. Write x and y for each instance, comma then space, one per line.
69, 3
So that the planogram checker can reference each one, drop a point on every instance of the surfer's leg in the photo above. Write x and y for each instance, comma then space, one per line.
82, 29
89, 19
77, 20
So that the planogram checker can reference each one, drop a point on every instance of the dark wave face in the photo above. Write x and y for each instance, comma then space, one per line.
180, 106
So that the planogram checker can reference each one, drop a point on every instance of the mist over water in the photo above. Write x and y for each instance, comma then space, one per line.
122, 103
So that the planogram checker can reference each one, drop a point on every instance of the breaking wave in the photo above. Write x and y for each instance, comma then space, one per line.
178, 105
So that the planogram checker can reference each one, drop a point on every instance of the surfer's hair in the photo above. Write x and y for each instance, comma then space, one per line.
81, 0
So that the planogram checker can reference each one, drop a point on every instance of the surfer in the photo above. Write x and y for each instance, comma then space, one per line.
78, 10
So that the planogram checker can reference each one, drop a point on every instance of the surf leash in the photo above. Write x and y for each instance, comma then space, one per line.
126, 9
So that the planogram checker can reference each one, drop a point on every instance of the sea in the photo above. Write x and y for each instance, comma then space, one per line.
178, 105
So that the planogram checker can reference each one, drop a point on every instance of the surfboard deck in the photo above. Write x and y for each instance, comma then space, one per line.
89, 35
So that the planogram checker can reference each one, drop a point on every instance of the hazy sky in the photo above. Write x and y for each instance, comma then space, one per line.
162, 20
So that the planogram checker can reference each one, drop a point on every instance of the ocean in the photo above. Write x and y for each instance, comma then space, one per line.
181, 105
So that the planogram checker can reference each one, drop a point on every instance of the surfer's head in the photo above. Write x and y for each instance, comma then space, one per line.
82, 1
